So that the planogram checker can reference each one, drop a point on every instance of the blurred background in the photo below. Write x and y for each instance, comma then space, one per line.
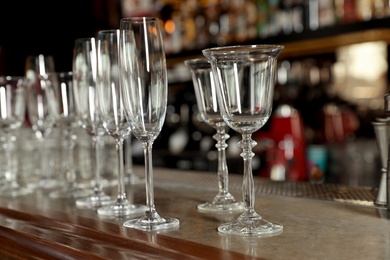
331, 79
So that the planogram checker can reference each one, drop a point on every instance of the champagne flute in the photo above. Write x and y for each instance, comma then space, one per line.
63, 102
145, 87
206, 97
12, 115
245, 78
42, 118
84, 69
113, 115
35, 66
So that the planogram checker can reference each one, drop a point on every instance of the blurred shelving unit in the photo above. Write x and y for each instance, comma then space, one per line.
321, 41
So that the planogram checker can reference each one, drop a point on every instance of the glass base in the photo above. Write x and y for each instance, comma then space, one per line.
70, 192
120, 209
48, 184
146, 223
95, 201
251, 224
221, 207
15, 191
222, 203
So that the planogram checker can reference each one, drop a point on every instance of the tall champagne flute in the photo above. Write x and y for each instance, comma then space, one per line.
245, 78
12, 115
206, 97
113, 115
84, 69
63, 102
145, 87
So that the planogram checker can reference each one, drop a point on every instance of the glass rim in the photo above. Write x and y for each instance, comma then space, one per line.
85, 39
198, 61
139, 19
18, 80
4, 78
105, 31
34, 56
58, 73
244, 49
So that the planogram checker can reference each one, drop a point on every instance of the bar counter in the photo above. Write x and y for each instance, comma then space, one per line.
323, 221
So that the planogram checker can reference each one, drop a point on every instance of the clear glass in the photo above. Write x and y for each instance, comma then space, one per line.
113, 115
206, 98
245, 78
84, 83
41, 65
42, 118
63, 102
12, 115
145, 93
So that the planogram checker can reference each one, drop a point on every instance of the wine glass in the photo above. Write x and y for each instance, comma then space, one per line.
84, 69
12, 115
145, 93
113, 115
245, 78
206, 97
63, 102
41, 115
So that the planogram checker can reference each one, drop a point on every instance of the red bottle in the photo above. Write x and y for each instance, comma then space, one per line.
286, 158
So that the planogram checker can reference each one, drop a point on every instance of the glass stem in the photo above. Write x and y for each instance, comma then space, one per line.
11, 171
121, 184
221, 137
70, 174
128, 157
130, 177
95, 165
45, 154
149, 176
248, 191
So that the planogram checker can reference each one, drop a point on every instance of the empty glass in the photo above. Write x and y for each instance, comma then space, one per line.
145, 93
113, 115
12, 115
41, 115
84, 82
246, 79
63, 103
36, 69
206, 97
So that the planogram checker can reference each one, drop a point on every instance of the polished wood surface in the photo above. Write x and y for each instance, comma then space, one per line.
38, 227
